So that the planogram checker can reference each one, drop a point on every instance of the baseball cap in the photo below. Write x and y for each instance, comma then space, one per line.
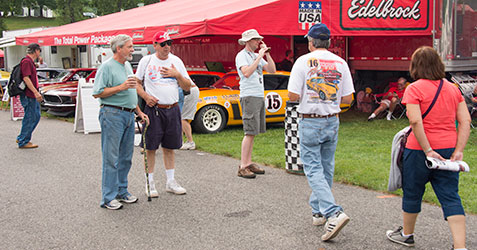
319, 31
161, 36
249, 35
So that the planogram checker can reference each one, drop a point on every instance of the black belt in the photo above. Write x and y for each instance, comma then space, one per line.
317, 116
121, 108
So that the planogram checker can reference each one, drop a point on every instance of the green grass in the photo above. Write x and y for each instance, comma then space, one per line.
16, 23
362, 157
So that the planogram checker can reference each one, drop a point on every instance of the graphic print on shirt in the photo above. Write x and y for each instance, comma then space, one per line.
322, 81
153, 73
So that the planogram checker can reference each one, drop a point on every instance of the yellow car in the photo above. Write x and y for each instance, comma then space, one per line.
324, 89
219, 105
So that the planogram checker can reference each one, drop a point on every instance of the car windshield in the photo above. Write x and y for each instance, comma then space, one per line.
63, 76
229, 81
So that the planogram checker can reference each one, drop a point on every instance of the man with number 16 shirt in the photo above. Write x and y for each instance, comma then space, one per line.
250, 66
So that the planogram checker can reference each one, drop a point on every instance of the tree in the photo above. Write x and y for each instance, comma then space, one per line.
9, 6
105, 7
70, 11
50, 4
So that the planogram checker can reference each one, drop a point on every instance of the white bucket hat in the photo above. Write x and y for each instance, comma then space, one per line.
249, 35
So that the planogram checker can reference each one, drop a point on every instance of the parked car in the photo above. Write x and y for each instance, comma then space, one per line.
205, 79
60, 98
219, 105
48, 76
5, 76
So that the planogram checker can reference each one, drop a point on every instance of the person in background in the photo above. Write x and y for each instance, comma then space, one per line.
319, 124
31, 98
434, 136
390, 100
250, 66
287, 63
117, 94
42, 64
163, 74
188, 112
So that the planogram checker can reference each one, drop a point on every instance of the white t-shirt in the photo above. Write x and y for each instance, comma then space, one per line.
321, 78
166, 90
252, 85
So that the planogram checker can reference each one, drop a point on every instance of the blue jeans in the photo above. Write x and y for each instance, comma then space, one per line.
117, 145
318, 139
30, 120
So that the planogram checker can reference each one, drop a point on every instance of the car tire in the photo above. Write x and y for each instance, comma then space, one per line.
209, 119
322, 95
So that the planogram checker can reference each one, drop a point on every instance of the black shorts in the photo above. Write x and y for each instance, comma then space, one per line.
165, 128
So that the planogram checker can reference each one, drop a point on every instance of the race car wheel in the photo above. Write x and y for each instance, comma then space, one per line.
209, 119
322, 95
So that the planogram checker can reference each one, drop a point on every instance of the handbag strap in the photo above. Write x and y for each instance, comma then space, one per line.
434, 100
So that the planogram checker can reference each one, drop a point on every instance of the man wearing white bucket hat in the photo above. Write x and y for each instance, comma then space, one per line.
250, 66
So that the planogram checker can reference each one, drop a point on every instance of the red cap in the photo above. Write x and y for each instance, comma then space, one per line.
160, 37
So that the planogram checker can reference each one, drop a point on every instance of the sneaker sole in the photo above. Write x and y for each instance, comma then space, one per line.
112, 208
399, 242
170, 191
128, 201
338, 229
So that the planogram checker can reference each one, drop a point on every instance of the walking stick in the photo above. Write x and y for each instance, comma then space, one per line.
145, 160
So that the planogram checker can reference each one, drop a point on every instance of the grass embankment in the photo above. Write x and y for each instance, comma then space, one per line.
362, 157
16, 23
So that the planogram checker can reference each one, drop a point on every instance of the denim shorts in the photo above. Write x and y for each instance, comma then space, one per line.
165, 128
416, 175
253, 115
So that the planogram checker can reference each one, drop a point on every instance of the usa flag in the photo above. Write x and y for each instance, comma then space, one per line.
309, 13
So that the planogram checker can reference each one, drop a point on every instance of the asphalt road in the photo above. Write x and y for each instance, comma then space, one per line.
50, 200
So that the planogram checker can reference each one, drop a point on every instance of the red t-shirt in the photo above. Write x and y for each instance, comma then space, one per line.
399, 93
28, 69
439, 124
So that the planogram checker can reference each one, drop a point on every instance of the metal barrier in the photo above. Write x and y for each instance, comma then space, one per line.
293, 162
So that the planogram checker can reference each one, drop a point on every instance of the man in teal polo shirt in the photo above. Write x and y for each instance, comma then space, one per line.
118, 99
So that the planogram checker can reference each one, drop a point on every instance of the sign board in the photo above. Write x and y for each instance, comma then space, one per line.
87, 109
16, 109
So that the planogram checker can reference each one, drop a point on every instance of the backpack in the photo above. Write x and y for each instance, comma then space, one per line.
16, 86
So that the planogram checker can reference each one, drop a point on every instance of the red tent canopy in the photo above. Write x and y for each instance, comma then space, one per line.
188, 18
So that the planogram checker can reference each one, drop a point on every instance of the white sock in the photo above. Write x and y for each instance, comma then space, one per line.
151, 178
406, 235
170, 174
372, 115
390, 113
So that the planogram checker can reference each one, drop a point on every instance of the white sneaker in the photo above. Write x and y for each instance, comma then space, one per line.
188, 146
334, 225
389, 116
173, 187
113, 205
318, 220
152, 189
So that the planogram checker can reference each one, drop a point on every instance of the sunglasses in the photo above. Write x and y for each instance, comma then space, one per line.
166, 42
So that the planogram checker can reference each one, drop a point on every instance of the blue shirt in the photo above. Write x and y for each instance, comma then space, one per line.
110, 74
252, 85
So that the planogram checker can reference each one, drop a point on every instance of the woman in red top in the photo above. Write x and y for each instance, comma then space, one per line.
434, 136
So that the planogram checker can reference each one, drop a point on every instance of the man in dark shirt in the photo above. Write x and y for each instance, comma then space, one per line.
31, 98
287, 63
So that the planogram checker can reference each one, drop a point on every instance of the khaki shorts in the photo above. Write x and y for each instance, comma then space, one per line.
190, 104
253, 115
